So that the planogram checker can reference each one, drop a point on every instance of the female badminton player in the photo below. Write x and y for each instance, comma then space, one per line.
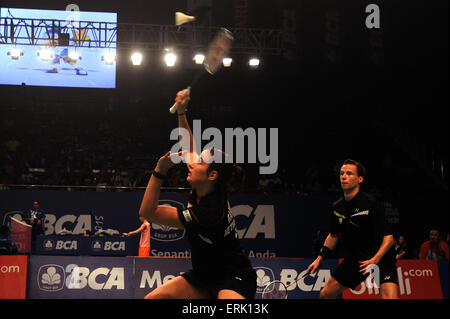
220, 268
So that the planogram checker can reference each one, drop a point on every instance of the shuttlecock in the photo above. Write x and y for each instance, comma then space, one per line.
181, 18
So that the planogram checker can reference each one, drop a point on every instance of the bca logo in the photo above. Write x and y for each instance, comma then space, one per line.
49, 244
97, 245
264, 276
51, 277
166, 233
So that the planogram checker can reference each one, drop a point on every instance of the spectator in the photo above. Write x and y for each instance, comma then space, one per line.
36, 219
7, 245
401, 249
435, 248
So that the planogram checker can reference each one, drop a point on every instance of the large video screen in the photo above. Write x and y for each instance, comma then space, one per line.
77, 51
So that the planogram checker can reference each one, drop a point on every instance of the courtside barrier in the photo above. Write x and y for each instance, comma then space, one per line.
417, 279
87, 277
13, 276
81, 277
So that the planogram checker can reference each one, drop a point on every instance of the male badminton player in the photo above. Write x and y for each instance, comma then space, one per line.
220, 268
358, 223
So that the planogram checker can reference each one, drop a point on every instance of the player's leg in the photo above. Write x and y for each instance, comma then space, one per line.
144, 251
388, 278
332, 289
229, 294
178, 288
389, 290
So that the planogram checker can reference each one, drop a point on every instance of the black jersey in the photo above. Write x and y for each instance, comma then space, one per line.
361, 224
211, 231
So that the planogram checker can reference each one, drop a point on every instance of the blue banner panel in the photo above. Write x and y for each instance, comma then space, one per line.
68, 277
91, 246
268, 226
443, 275
289, 270
152, 272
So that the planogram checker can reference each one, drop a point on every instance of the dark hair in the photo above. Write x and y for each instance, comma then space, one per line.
361, 170
231, 177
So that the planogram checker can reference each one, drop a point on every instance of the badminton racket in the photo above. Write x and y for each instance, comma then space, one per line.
217, 50
277, 289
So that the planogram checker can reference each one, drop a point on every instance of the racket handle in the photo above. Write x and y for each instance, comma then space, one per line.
174, 107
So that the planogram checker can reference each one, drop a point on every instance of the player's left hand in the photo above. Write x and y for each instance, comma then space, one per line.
165, 162
365, 266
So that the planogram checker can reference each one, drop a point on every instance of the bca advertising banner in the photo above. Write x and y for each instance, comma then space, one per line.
150, 273
93, 246
67, 277
13, 277
289, 270
268, 226
417, 279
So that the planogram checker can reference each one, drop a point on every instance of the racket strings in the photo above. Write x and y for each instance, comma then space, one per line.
275, 290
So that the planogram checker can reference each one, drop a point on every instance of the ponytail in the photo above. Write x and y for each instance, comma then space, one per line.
236, 181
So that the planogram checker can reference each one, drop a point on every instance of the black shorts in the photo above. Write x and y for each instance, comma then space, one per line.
348, 272
243, 283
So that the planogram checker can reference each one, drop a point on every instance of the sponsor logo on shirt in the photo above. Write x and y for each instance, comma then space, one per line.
166, 233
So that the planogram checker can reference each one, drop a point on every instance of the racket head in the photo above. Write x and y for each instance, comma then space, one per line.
218, 49
275, 290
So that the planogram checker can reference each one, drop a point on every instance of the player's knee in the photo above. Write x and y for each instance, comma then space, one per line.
325, 294
159, 294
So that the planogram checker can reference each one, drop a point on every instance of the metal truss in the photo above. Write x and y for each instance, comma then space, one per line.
45, 32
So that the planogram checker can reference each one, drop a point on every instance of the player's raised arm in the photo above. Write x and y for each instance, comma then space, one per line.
150, 209
187, 143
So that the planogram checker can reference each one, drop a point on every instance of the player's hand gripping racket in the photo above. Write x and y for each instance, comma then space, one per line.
218, 49
278, 290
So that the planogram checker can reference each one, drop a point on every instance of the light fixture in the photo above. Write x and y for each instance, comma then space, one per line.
45, 54
199, 58
109, 58
15, 53
254, 62
170, 58
136, 58
227, 62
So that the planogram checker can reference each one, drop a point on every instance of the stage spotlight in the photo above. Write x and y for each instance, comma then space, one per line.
109, 58
170, 59
227, 62
73, 55
199, 58
45, 54
15, 53
136, 58
254, 62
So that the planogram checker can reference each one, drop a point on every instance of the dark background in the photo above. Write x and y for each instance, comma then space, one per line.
344, 91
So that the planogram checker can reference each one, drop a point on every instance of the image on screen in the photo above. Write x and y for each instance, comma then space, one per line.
82, 63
